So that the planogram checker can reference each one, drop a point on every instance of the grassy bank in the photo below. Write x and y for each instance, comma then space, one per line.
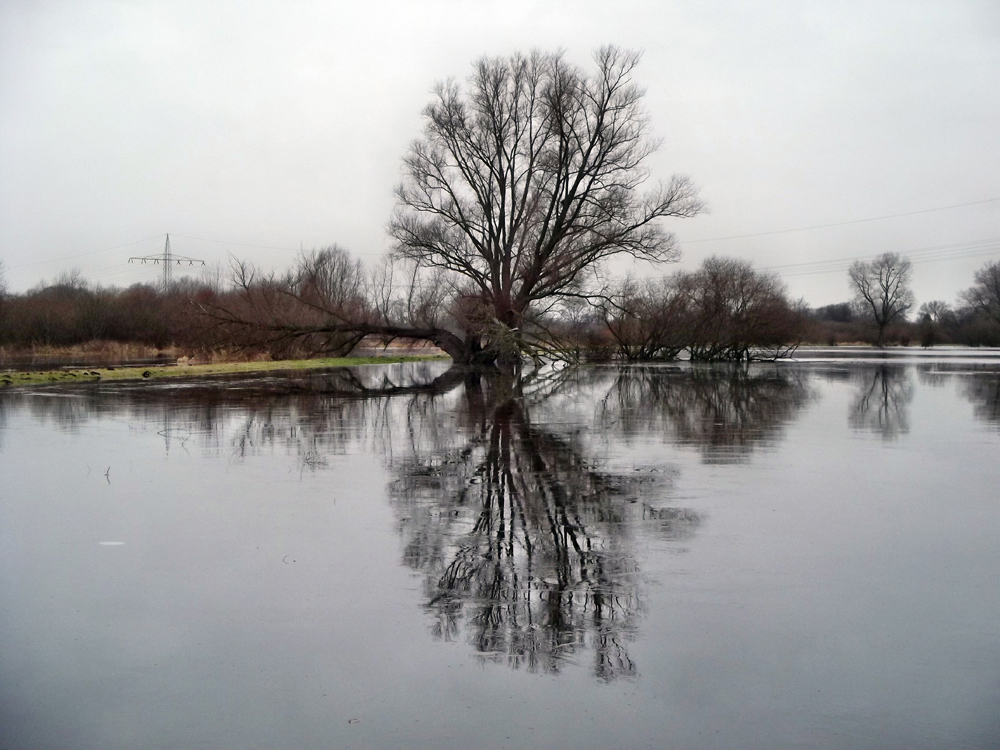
93, 375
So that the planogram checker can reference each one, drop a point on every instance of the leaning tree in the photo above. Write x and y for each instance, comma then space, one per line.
881, 289
526, 180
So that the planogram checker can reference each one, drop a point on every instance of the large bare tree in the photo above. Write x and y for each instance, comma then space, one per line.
881, 289
525, 181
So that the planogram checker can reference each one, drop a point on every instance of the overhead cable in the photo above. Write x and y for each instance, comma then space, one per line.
839, 223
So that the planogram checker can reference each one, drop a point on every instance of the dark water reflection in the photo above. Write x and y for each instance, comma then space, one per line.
518, 534
882, 400
983, 392
531, 511
726, 413
521, 535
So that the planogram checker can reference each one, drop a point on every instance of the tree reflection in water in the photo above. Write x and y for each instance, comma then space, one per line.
882, 401
983, 390
517, 534
306, 414
725, 412
527, 542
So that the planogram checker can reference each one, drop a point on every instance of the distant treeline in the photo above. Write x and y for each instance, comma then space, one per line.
725, 310
841, 323
70, 312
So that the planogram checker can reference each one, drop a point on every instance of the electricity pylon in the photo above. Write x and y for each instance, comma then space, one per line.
168, 260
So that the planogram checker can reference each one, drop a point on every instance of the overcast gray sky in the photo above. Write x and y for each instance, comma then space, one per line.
282, 124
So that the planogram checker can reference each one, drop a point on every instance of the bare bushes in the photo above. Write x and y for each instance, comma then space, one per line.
724, 311
737, 313
329, 303
64, 314
293, 313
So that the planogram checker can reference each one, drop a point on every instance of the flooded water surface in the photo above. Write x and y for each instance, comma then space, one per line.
801, 555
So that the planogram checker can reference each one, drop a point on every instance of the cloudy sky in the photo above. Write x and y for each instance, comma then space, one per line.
256, 128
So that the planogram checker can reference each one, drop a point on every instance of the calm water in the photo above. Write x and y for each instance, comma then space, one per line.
793, 556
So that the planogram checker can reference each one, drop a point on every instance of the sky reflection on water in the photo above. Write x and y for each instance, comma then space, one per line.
785, 555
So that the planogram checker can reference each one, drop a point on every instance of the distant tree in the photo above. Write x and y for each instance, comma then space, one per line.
933, 316
882, 292
937, 311
984, 295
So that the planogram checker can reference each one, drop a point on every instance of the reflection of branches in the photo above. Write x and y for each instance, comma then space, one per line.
520, 536
984, 393
304, 412
724, 411
881, 404
932, 375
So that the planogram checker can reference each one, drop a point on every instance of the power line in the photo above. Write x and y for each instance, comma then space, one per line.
81, 255
839, 223
934, 253
263, 247
238, 244
987, 241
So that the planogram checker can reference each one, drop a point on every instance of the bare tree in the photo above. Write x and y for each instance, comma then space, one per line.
882, 290
937, 311
738, 313
725, 310
984, 296
527, 180
647, 319
933, 316
316, 306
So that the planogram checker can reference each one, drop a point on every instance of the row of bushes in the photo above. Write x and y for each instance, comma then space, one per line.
71, 313
724, 311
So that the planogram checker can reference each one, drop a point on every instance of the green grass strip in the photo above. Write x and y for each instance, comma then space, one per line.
95, 374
